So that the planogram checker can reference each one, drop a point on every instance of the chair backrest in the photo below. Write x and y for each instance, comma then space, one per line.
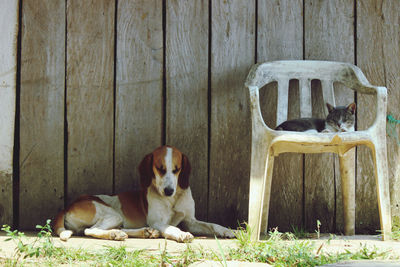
306, 71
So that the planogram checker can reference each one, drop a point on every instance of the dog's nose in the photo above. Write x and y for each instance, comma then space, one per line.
168, 191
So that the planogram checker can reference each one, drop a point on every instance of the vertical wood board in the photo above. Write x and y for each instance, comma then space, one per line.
378, 55
8, 70
187, 90
329, 35
90, 68
280, 36
138, 118
232, 55
42, 112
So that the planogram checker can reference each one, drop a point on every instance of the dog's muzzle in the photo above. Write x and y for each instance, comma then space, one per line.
168, 191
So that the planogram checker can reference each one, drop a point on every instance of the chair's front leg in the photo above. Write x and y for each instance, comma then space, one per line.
382, 187
260, 188
347, 175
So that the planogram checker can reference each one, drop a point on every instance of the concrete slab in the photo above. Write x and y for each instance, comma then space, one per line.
326, 244
365, 263
151, 245
228, 264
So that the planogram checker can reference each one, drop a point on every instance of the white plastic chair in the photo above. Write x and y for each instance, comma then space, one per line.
268, 143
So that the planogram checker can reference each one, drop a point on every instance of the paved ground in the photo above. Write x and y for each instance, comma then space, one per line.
338, 244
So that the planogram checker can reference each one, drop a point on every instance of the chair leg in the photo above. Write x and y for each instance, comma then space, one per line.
347, 175
382, 187
260, 184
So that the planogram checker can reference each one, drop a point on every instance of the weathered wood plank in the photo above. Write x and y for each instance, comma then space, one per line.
280, 36
90, 61
138, 118
380, 61
42, 112
232, 45
187, 90
329, 35
8, 70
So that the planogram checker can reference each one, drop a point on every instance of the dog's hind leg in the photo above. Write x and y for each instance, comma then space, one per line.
108, 220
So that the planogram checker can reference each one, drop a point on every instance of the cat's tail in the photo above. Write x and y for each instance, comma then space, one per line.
59, 227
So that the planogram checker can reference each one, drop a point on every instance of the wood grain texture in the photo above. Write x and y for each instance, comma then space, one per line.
280, 36
90, 61
380, 61
138, 118
8, 70
232, 45
329, 35
187, 90
42, 112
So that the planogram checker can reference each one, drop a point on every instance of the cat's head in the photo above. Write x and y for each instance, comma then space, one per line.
341, 118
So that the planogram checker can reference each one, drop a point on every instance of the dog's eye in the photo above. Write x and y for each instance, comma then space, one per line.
176, 170
161, 170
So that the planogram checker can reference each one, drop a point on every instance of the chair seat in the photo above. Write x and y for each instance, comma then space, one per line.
299, 142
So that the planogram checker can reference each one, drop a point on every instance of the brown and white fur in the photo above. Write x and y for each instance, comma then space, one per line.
164, 202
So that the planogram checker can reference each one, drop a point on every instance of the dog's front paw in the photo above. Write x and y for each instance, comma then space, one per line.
151, 233
116, 234
185, 237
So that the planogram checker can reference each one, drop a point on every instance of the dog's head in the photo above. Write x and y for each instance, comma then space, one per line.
165, 168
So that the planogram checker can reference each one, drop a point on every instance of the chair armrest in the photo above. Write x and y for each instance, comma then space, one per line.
381, 106
255, 109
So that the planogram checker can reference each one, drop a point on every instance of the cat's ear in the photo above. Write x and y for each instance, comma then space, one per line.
352, 108
330, 107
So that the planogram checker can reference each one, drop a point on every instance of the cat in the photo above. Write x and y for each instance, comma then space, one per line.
339, 119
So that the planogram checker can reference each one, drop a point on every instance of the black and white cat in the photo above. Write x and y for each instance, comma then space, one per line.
339, 119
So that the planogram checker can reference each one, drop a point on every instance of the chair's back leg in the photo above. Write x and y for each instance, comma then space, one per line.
347, 175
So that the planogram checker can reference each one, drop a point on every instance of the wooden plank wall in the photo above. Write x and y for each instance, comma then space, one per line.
232, 53
8, 84
380, 61
42, 110
139, 87
329, 35
281, 22
187, 89
105, 82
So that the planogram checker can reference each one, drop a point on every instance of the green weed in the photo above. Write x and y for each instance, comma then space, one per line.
396, 228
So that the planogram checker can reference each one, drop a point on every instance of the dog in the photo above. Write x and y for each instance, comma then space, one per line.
164, 202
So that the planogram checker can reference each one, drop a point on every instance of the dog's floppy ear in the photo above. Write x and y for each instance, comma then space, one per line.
183, 179
146, 171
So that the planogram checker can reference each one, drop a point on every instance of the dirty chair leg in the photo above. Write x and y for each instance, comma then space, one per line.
382, 187
347, 174
260, 187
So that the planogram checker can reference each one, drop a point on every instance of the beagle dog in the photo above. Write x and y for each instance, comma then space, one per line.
164, 202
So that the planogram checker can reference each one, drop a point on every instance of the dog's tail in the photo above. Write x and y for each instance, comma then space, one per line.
59, 227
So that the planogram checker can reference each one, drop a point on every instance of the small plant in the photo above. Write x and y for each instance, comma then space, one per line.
396, 228
318, 231
42, 245
299, 232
